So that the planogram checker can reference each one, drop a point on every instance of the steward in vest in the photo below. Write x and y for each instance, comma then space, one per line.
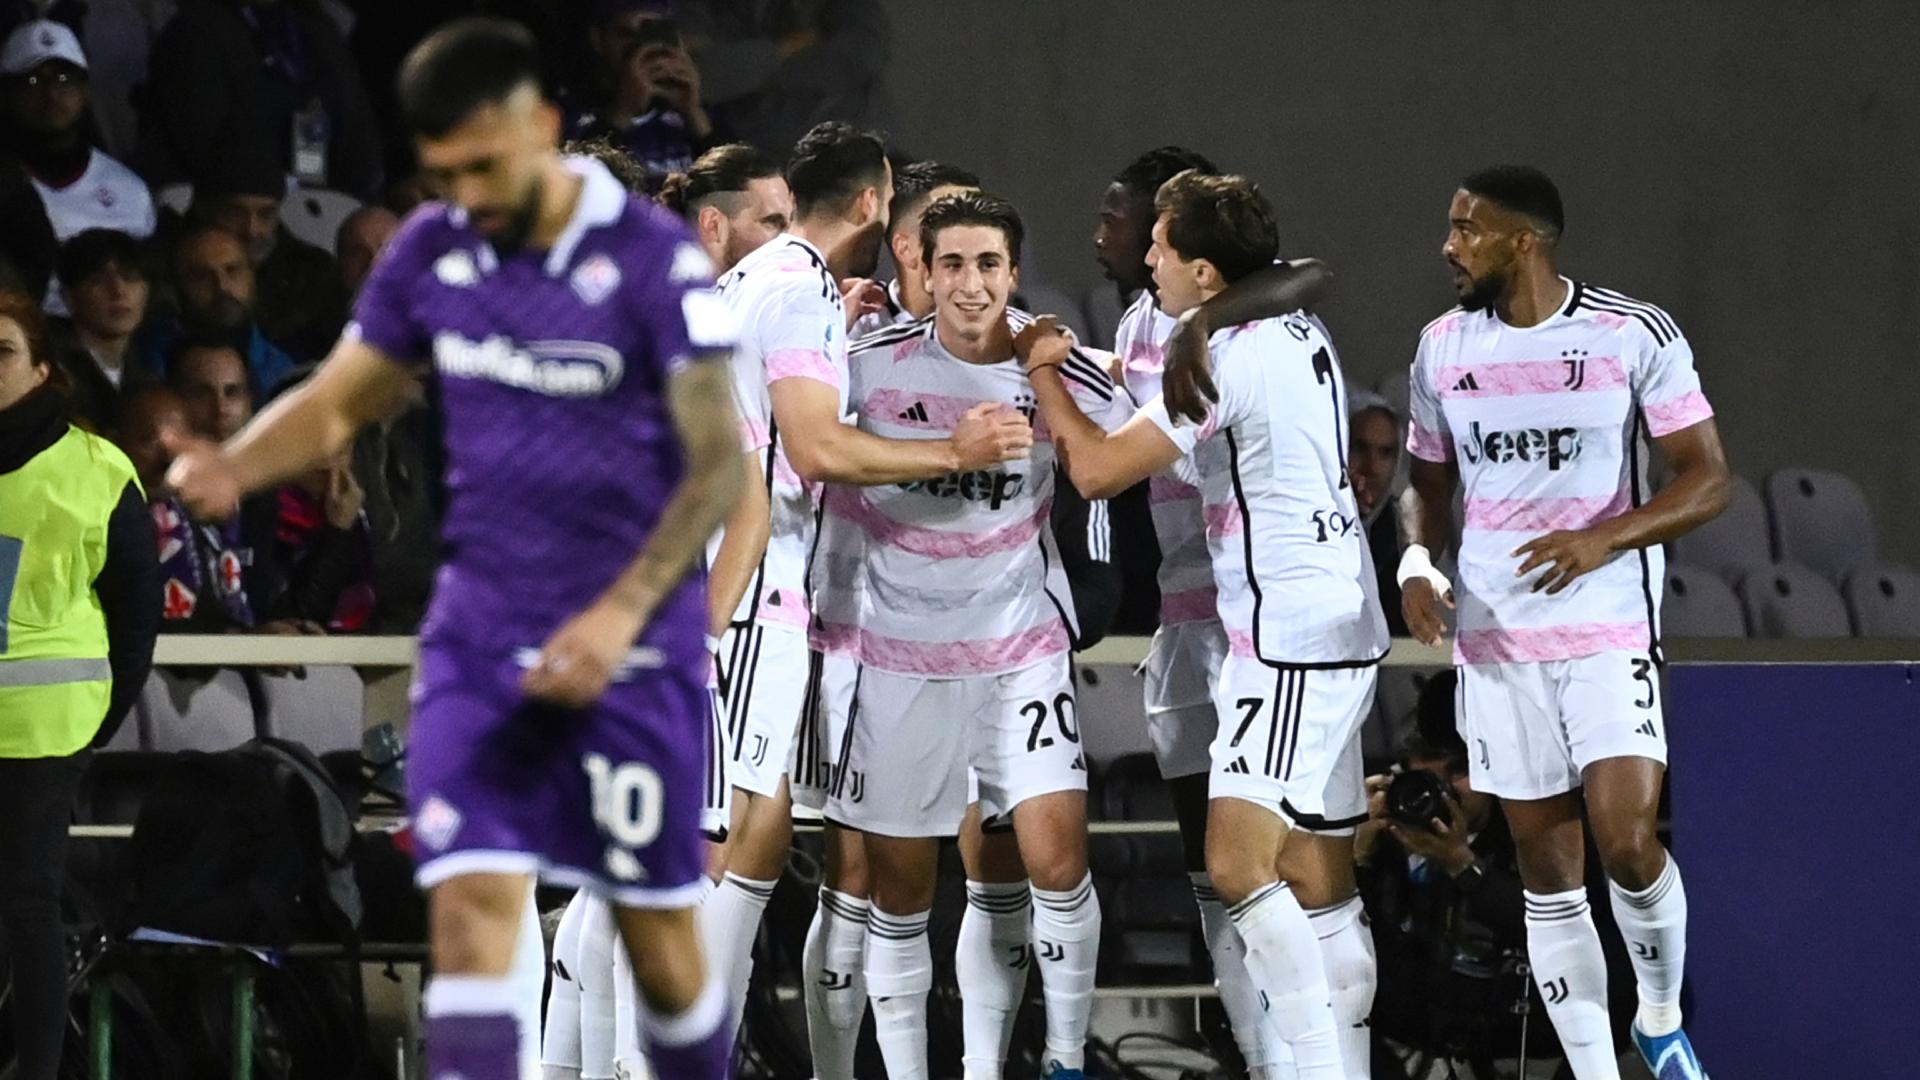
79, 608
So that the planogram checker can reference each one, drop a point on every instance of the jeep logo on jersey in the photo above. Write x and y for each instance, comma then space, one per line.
992, 488
1555, 446
572, 369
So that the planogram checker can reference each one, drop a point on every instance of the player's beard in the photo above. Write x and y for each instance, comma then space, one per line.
863, 251
519, 227
1483, 291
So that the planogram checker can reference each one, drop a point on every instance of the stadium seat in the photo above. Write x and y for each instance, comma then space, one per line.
1883, 601
197, 711
324, 710
1731, 543
1820, 520
1151, 915
1790, 602
313, 215
1700, 604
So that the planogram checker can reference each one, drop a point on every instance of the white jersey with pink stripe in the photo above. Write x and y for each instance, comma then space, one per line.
793, 325
1186, 569
1288, 548
956, 576
1547, 424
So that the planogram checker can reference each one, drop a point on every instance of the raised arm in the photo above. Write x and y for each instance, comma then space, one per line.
824, 450
581, 657
1270, 293
302, 430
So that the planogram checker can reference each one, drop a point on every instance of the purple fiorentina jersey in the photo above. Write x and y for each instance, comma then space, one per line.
552, 369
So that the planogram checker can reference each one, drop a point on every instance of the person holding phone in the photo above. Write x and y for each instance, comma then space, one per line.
649, 104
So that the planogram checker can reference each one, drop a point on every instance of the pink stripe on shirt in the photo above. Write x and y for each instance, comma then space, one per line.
782, 607
1667, 417
1536, 644
851, 504
928, 412
1165, 489
1568, 376
1543, 515
1193, 605
753, 433
1146, 357
801, 364
1223, 519
946, 659
1427, 445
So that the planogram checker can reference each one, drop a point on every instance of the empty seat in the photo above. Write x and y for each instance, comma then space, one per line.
198, 711
1700, 604
323, 710
1787, 601
1883, 601
1820, 520
1732, 542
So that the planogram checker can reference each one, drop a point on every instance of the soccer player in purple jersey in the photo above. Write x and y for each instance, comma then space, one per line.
561, 705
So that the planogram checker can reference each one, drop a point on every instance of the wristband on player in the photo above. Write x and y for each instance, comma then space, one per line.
1417, 563
1043, 367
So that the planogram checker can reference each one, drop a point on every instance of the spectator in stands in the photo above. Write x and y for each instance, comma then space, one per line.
324, 551
398, 462
78, 559
362, 237
772, 70
214, 283
650, 105
1373, 457
298, 299
210, 376
265, 75
103, 279
27, 243
146, 413
49, 127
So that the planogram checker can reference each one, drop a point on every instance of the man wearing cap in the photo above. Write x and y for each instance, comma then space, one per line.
45, 101
298, 301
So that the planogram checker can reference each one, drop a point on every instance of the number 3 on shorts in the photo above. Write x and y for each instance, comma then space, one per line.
627, 800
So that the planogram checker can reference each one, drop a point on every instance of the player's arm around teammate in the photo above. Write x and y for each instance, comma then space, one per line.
1284, 287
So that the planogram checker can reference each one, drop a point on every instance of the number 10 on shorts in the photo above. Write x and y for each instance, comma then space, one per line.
627, 800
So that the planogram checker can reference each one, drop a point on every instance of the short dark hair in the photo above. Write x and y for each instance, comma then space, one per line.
723, 170
1222, 219
94, 250
624, 166
1524, 190
1149, 172
914, 183
464, 65
209, 340
832, 164
972, 208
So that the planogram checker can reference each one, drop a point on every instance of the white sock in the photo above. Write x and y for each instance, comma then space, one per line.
1283, 959
560, 1041
1654, 924
1346, 946
1066, 944
1259, 1044
990, 963
729, 924
1564, 950
629, 1015
528, 976
899, 977
835, 982
593, 969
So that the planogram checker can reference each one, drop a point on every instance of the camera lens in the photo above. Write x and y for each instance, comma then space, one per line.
1416, 799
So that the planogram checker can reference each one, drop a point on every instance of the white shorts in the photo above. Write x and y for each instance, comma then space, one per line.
1183, 670
819, 747
764, 672
910, 741
1532, 729
716, 806
1289, 740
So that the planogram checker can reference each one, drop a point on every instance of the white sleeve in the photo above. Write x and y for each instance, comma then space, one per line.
1427, 435
796, 328
1668, 389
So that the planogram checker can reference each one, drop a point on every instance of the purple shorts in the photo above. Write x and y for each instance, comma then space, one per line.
606, 798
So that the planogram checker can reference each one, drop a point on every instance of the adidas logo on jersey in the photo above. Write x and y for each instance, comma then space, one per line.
1467, 384
1239, 766
1646, 728
917, 413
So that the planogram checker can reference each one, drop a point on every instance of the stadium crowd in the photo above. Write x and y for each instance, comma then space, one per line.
196, 195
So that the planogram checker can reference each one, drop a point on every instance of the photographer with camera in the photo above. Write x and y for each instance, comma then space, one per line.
1439, 877
649, 101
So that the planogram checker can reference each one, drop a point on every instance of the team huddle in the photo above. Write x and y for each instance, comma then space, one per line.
873, 479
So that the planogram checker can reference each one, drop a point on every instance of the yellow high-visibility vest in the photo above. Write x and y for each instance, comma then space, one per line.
54, 678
